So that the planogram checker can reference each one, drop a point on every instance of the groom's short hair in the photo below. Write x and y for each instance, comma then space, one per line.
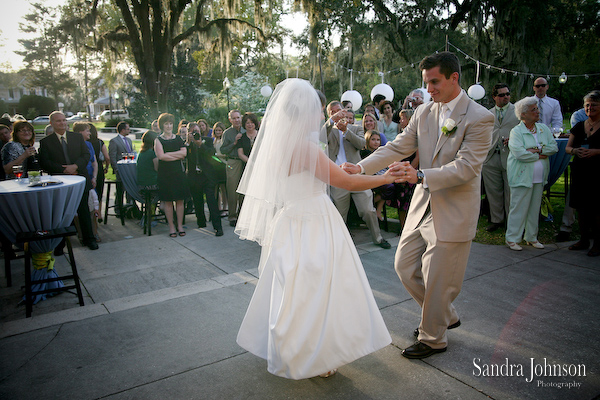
447, 61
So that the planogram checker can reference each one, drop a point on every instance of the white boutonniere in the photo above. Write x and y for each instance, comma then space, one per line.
449, 127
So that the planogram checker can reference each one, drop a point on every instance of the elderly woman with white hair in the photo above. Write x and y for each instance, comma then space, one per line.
530, 144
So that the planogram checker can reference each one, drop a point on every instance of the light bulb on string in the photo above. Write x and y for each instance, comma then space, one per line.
476, 91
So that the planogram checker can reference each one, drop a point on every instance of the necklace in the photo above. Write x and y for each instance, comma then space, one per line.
593, 125
533, 130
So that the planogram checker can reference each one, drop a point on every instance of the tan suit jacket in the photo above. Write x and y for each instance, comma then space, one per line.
503, 129
353, 142
451, 164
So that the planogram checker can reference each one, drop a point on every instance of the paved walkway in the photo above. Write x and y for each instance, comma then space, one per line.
161, 317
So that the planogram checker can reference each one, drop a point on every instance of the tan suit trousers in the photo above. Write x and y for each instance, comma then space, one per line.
432, 272
235, 168
364, 205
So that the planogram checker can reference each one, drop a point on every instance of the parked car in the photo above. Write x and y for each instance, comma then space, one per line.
42, 119
76, 118
106, 115
18, 117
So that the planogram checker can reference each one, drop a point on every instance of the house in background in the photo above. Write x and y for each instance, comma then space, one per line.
14, 86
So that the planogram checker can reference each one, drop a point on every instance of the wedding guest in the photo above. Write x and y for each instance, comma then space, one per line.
172, 189
101, 154
585, 174
390, 128
5, 135
384, 192
204, 129
217, 135
147, 165
83, 128
250, 123
55, 160
530, 144
235, 166
155, 128
370, 123
202, 178
20, 150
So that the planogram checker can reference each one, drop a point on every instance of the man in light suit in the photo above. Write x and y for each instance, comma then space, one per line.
235, 166
453, 135
550, 113
117, 146
72, 159
335, 131
495, 181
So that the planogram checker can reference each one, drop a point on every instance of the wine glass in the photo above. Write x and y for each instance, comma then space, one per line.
17, 171
557, 131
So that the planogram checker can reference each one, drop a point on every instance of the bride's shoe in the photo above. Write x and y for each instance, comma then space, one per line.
328, 373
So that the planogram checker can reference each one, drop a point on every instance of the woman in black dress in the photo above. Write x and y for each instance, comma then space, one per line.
585, 174
171, 151
244, 147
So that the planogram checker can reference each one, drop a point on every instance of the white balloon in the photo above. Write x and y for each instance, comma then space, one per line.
383, 89
266, 91
476, 92
354, 97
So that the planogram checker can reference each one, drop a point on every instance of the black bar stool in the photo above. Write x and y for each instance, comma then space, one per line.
9, 255
109, 183
25, 239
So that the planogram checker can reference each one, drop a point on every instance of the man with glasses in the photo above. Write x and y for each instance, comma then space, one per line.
550, 113
494, 168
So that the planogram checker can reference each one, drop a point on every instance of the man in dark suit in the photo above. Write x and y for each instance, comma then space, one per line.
70, 158
453, 135
202, 177
116, 147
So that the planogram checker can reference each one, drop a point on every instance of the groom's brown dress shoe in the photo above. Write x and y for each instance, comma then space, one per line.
420, 350
454, 325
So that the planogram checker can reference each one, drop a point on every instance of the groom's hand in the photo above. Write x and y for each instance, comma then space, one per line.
351, 168
403, 171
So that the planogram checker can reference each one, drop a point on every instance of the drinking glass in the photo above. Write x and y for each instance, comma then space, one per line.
17, 171
556, 131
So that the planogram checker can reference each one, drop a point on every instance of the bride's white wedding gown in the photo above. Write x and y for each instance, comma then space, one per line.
313, 309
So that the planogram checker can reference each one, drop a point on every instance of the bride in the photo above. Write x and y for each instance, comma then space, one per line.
312, 310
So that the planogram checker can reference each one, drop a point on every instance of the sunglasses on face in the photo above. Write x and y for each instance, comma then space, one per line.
503, 94
540, 85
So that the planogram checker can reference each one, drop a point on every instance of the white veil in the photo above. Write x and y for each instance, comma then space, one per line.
287, 146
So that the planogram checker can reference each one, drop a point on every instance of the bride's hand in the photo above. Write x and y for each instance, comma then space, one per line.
350, 168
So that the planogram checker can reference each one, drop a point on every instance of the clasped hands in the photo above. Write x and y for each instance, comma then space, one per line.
538, 151
402, 170
583, 152
341, 119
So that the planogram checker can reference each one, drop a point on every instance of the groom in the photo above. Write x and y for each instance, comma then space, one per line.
453, 135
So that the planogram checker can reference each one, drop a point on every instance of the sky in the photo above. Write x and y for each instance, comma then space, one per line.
17, 9
10, 29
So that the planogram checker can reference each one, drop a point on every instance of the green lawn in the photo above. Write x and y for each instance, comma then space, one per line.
547, 230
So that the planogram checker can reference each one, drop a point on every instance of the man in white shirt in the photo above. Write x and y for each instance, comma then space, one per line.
117, 146
344, 144
550, 113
